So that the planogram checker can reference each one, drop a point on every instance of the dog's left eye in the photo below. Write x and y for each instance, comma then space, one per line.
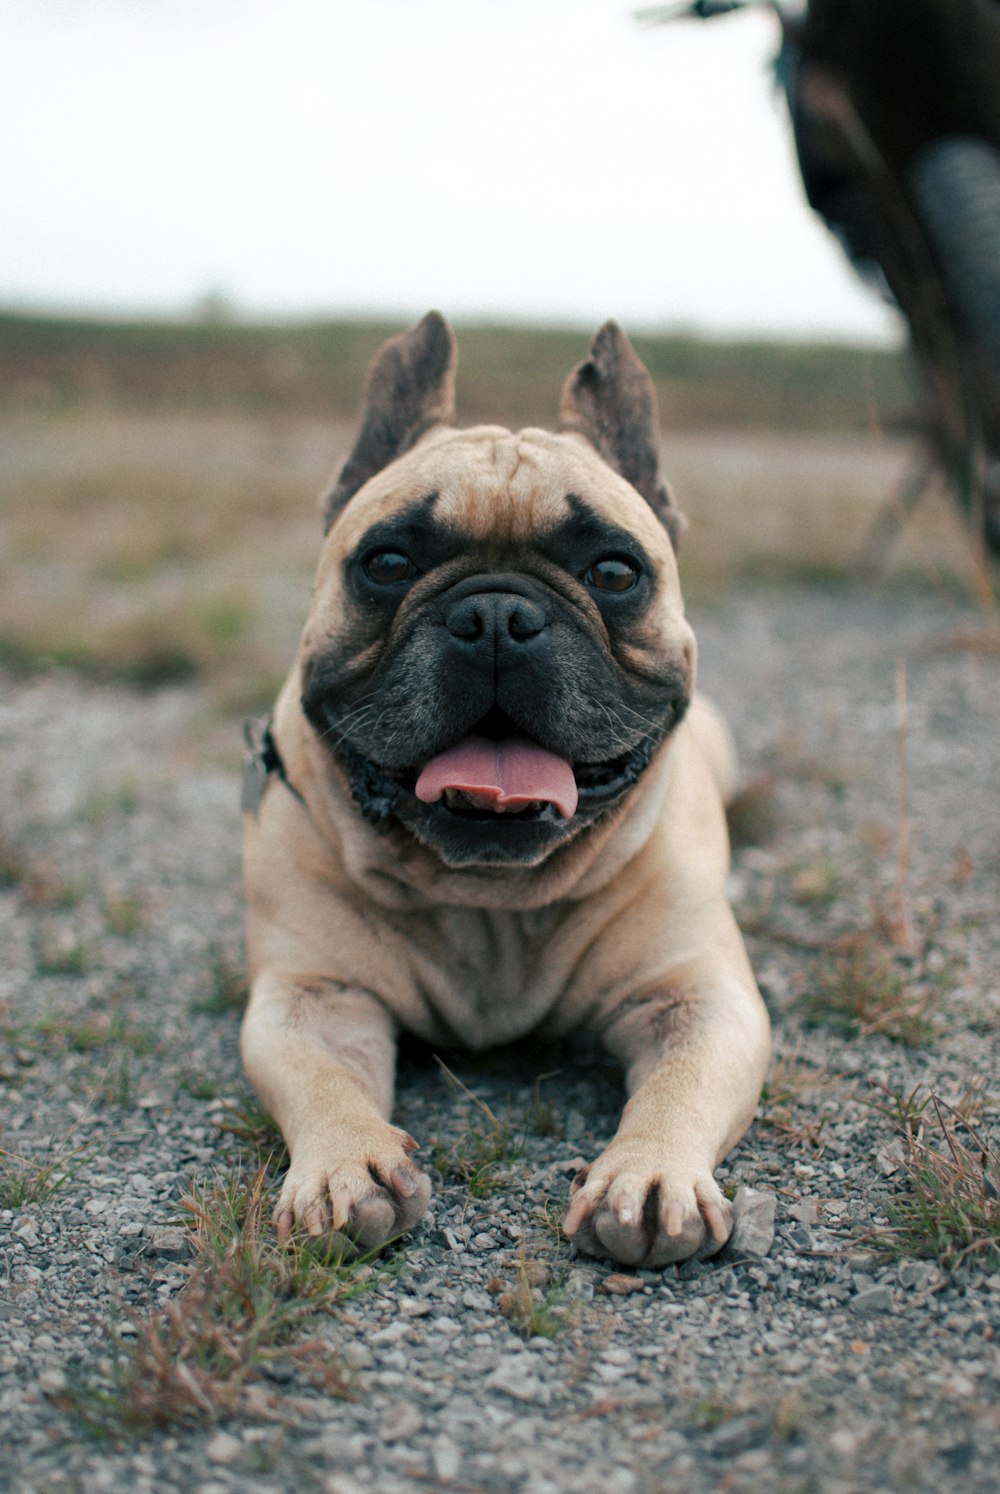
389, 567
612, 573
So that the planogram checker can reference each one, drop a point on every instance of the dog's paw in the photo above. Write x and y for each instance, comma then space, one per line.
359, 1197
647, 1216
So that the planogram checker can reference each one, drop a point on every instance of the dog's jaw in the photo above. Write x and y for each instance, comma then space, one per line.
462, 837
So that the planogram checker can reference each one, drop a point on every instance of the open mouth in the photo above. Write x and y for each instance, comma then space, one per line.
498, 773
505, 774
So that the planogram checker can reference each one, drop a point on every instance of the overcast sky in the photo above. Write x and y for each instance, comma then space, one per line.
544, 159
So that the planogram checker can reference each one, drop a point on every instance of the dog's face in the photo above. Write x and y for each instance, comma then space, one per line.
497, 646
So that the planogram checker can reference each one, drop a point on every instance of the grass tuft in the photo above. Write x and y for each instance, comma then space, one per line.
199, 1084
125, 913
482, 1155
25, 1180
862, 988
544, 1118
239, 1318
788, 1101
55, 956
37, 881
776, 1416
104, 1030
537, 1305
948, 1208
106, 803
251, 1124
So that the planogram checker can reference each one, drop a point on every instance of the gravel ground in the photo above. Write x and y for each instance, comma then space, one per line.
810, 1361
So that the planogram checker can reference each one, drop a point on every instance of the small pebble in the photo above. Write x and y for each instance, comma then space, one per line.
223, 1449
621, 1286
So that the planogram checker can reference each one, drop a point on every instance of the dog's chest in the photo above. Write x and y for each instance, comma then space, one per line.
490, 977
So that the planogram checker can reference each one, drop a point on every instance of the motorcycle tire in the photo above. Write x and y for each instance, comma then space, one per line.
955, 188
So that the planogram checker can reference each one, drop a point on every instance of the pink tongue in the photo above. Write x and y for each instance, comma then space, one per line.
500, 775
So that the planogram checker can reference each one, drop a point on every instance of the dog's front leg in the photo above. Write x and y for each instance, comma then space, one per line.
696, 1049
321, 1055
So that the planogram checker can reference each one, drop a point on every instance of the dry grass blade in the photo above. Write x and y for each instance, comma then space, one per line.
243, 1309
949, 1206
482, 1154
252, 1125
861, 989
537, 1305
901, 928
26, 1180
790, 1101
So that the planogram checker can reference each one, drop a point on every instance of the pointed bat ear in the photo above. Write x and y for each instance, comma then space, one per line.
410, 389
609, 399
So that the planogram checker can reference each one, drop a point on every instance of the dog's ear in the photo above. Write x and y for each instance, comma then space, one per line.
609, 399
410, 389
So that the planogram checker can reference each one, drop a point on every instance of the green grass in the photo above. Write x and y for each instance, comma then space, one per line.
108, 802
246, 1309
781, 1412
862, 988
482, 1155
486, 1148
544, 1118
166, 532
37, 880
947, 1207
14, 866
26, 1180
198, 1084
225, 618
54, 956
109, 1029
508, 373
125, 913
791, 1101
250, 1123
537, 1304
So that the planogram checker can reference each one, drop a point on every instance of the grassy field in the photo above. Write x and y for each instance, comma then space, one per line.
158, 482
507, 374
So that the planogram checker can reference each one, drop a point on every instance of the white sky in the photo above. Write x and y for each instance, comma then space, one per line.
544, 159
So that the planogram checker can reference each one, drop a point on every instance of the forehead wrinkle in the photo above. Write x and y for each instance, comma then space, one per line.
580, 471
497, 494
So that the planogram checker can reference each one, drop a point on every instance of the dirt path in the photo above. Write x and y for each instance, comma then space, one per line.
821, 1365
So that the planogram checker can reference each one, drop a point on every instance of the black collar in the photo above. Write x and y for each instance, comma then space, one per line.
261, 759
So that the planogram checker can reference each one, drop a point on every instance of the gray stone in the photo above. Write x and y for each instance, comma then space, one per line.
169, 1242
515, 1376
753, 1222
26, 1231
446, 1458
920, 1274
737, 1435
401, 1422
223, 1449
872, 1300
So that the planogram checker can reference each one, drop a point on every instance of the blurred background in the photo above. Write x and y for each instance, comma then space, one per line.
215, 210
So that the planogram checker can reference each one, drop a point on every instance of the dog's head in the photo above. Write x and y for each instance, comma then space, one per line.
497, 646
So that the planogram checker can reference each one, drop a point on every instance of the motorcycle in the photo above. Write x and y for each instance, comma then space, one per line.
895, 110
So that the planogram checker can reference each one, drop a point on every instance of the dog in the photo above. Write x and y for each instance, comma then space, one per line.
490, 804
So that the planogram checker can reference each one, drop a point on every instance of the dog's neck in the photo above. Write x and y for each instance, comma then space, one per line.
414, 877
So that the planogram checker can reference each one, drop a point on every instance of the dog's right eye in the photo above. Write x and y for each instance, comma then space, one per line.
389, 567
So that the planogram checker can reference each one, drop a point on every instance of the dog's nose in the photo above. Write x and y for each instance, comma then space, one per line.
495, 616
